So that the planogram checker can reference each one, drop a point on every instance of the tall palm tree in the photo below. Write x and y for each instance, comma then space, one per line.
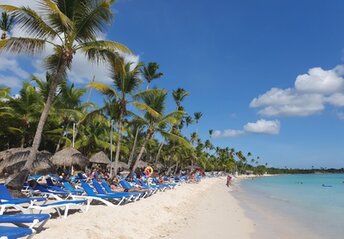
198, 116
156, 121
150, 72
126, 80
6, 24
178, 96
74, 25
188, 120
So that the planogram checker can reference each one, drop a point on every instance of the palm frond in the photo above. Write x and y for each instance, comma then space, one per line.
147, 109
148, 92
92, 19
57, 19
30, 21
101, 51
15, 130
21, 45
176, 138
106, 90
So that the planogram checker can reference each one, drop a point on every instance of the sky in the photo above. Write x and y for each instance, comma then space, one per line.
267, 75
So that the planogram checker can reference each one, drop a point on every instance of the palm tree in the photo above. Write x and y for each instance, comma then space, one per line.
198, 116
188, 120
211, 133
155, 120
6, 24
126, 81
75, 24
150, 72
25, 113
178, 96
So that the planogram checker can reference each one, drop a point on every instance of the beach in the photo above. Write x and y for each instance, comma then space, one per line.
203, 210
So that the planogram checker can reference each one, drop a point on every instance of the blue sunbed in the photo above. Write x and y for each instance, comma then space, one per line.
20, 219
15, 232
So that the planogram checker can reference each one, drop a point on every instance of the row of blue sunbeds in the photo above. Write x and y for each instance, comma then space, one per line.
65, 196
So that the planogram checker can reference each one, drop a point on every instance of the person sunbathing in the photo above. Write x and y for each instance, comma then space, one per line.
114, 185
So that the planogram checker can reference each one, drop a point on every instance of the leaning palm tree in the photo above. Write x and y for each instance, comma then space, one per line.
126, 80
150, 72
68, 26
6, 24
155, 121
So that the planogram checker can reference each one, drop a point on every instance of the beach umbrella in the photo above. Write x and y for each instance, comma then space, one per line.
13, 160
120, 165
100, 158
68, 157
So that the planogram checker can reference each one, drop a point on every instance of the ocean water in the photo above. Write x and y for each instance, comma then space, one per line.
310, 206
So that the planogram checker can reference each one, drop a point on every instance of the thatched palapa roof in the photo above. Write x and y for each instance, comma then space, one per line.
13, 160
120, 165
68, 157
100, 158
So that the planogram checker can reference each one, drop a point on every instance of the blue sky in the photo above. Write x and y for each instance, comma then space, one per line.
267, 74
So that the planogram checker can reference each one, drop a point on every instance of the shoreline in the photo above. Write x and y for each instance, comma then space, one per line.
274, 215
206, 209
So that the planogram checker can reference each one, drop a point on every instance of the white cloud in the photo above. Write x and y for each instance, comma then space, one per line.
288, 102
311, 94
336, 99
263, 127
10, 81
259, 127
227, 133
82, 69
321, 81
12, 66
216, 134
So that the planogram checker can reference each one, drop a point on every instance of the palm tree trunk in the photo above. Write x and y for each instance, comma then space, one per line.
60, 139
17, 180
176, 169
158, 154
118, 146
140, 155
134, 148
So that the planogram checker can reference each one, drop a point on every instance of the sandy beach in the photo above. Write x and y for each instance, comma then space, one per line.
204, 210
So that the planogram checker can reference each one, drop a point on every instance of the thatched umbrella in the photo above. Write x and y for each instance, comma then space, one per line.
68, 157
100, 158
120, 165
13, 160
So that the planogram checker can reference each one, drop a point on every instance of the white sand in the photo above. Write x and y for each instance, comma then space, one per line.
204, 210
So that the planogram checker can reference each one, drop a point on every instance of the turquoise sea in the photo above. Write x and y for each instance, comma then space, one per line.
312, 204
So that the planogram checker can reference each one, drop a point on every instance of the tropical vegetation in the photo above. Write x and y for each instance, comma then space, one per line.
132, 122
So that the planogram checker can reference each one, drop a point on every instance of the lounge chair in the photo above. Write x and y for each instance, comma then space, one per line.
168, 185
22, 219
143, 185
126, 185
15, 232
104, 198
66, 204
154, 187
129, 195
108, 188
71, 189
7, 201
46, 191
